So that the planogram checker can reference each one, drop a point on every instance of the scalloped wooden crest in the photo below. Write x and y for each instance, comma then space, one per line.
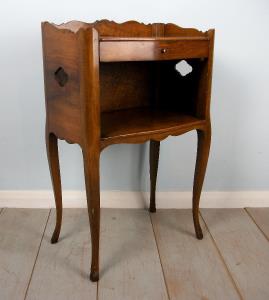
169, 29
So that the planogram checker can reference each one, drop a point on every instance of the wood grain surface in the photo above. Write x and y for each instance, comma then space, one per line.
244, 248
142, 258
62, 270
260, 216
129, 258
193, 269
21, 232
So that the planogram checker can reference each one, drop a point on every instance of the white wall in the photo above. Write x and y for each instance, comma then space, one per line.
240, 100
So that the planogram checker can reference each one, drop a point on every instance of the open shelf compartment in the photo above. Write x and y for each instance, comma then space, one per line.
144, 121
147, 98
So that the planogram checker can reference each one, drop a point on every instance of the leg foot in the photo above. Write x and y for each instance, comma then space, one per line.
54, 238
198, 230
152, 209
94, 276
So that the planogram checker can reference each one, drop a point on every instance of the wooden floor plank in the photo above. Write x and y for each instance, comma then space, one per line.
130, 265
193, 268
260, 216
21, 232
62, 270
244, 249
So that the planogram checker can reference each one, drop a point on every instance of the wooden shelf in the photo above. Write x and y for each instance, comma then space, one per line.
137, 122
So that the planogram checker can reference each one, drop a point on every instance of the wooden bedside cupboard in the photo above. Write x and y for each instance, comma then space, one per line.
109, 83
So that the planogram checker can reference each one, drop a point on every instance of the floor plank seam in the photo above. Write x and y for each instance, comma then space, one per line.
37, 255
222, 259
253, 220
159, 256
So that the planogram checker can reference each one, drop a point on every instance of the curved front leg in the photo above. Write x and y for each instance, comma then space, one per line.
204, 139
53, 160
91, 170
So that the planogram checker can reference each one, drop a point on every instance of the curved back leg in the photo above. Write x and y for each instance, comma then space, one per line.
154, 151
53, 160
204, 139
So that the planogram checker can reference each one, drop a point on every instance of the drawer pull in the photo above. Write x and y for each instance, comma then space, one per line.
163, 50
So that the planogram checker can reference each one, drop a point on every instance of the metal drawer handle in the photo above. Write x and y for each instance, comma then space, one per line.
163, 50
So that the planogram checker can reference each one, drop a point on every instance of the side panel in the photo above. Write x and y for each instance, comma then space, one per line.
205, 80
61, 74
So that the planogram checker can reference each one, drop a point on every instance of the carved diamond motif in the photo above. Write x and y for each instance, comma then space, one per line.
61, 76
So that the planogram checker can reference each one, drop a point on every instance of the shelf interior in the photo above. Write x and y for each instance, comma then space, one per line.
140, 121
147, 98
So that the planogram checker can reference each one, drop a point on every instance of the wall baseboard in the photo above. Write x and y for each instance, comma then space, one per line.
128, 199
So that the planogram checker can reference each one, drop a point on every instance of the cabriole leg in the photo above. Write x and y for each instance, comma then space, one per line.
91, 170
153, 166
204, 138
53, 160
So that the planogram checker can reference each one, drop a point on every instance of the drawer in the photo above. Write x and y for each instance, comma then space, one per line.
152, 49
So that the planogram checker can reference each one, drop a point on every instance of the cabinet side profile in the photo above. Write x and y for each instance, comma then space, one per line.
62, 82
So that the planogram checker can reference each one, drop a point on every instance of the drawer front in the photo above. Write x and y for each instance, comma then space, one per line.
152, 50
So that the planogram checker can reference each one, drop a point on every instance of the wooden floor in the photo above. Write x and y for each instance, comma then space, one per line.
143, 256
